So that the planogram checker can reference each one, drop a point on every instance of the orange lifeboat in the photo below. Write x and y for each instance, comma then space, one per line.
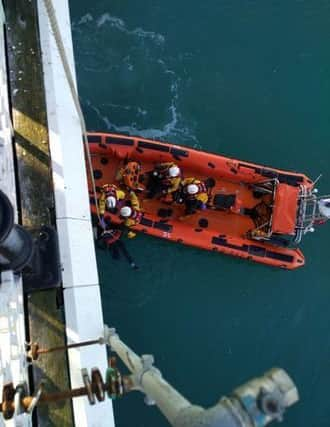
253, 212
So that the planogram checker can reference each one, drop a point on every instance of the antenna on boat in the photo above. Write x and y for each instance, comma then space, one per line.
317, 179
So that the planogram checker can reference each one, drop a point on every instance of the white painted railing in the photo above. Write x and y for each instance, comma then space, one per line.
13, 367
83, 310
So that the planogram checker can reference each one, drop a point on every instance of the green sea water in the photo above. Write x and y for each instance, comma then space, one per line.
249, 79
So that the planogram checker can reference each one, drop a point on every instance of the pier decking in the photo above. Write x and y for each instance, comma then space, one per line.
51, 192
13, 365
35, 191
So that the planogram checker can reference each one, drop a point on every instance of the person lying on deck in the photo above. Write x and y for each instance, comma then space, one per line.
164, 179
195, 195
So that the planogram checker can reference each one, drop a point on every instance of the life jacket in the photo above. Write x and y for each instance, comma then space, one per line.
110, 190
201, 189
166, 179
136, 216
110, 236
131, 175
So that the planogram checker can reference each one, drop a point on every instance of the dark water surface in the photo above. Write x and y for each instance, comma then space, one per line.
250, 79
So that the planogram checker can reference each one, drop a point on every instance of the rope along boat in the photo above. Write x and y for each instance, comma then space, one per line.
253, 212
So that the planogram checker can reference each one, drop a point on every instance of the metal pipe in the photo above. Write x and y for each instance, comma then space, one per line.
16, 244
255, 404
35, 351
148, 379
44, 399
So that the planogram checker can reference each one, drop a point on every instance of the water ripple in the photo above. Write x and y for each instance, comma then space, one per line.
124, 65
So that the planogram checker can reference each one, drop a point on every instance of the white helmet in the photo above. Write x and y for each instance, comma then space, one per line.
111, 202
125, 211
174, 171
192, 189
324, 207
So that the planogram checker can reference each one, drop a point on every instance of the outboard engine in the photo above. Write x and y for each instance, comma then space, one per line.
324, 207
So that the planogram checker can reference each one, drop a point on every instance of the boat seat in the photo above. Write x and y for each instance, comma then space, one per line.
224, 201
164, 213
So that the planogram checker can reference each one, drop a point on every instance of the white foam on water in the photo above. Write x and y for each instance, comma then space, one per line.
133, 130
175, 127
120, 25
168, 130
113, 20
127, 61
164, 66
86, 18
142, 112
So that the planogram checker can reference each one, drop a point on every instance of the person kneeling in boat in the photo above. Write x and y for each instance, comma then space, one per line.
111, 198
132, 215
164, 179
195, 195
130, 176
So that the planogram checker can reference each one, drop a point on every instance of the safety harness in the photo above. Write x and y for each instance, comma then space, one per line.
135, 216
110, 190
108, 237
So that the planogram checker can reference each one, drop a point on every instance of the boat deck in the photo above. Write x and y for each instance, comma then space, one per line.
236, 208
219, 221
